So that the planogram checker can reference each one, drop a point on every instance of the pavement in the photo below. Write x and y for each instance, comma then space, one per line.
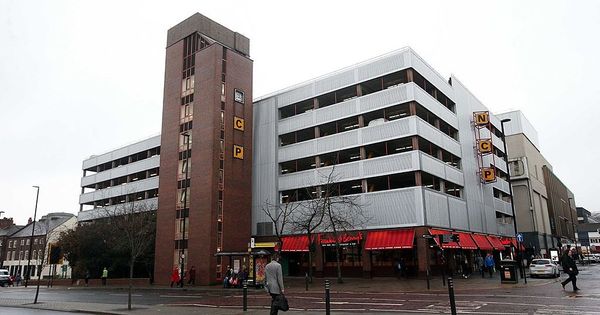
474, 295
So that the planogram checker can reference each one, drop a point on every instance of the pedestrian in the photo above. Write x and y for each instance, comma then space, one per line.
274, 282
465, 267
104, 276
18, 279
192, 276
228, 277
175, 277
489, 264
570, 267
479, 263
87, 277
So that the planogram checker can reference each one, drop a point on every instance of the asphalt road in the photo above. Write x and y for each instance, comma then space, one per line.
541, 296
24, 311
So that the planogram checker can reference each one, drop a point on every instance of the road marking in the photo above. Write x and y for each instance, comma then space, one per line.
124, 294
180, 296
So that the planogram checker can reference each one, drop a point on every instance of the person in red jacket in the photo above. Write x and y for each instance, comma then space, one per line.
174, 277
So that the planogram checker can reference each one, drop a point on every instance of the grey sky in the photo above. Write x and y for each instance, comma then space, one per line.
79, 77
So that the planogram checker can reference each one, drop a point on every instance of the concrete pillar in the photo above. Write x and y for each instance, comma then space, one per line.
366, 262
422, 249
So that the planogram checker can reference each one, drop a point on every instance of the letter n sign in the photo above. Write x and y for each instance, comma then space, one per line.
481, 118
238, 123
488, 174
238, 152
484, 146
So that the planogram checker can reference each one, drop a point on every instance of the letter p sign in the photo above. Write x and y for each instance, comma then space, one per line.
238, 152
488, 174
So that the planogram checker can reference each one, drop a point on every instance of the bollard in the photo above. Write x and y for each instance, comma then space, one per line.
443, 277
451, 294
306, 281
327, 304
245, 298
427, 275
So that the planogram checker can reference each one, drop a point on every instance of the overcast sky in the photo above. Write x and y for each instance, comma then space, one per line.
79, 78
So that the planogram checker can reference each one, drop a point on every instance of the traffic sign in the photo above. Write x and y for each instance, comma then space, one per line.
520, 238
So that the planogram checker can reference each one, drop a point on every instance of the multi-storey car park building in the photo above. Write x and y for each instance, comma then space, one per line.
119, 177
402, 140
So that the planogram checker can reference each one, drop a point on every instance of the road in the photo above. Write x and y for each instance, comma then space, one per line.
540, 296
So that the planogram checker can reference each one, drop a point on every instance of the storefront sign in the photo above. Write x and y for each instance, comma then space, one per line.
481, 118
238, 152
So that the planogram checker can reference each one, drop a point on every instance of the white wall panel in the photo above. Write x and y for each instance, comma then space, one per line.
122, 152
459, 218
87, 215
436, 208
432, 166
387, 64
431, 75
394, 208
123, 170
454, 175
129, 188
435, 136
433, 105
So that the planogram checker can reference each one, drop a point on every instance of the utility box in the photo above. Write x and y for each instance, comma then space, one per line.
508, 271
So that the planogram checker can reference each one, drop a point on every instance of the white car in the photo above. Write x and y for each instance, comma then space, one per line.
543, 267
4, 278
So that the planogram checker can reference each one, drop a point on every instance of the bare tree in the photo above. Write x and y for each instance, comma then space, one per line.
329, 209
135, 223
281, 217
307, 219
343, 213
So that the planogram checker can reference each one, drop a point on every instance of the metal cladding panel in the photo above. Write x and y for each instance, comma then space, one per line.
295, 95
434, 106
458, 213
87, 215
342, 140
390, 130
431, 75
502, 206
385, 165
385, 98
391, 164
436, 208
336, 112
382, 66
129, 188
334, 82
137, 147
432, 165
394, 208
499, 162
454, 175
264, 160
502, 185
131, 168
297, 122
437, 137
498, 143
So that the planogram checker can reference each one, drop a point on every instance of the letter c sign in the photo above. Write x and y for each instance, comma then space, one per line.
238, 123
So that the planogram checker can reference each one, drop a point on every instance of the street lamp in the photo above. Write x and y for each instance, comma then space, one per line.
184, 211
37, 195
512, 202
574, 228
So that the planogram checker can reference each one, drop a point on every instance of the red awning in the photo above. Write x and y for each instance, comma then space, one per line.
482, 242
390, 239
448, 245
496, 242
466, 241
511, 241
343, 238
298, 243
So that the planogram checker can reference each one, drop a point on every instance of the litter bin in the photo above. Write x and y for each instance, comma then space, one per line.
508, 271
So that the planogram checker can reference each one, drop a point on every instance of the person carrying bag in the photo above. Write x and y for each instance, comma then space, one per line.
274, 285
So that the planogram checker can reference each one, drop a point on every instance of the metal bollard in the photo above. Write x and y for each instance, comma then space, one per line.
443, 277
245, 298
427, 275
451, 294
327, 304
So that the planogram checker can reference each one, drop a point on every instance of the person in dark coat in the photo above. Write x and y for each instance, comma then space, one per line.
569, 266
192, 276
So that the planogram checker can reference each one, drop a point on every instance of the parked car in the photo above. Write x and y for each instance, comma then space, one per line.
543, 267
5, 278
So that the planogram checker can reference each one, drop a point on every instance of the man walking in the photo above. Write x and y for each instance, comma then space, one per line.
569, 266
489, 264
274, 282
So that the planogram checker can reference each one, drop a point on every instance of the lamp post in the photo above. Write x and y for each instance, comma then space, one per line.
37, 195
573, 224
184, 211
512, 203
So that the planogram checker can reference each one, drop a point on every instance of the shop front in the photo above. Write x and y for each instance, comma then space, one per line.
350, 254
391, 253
